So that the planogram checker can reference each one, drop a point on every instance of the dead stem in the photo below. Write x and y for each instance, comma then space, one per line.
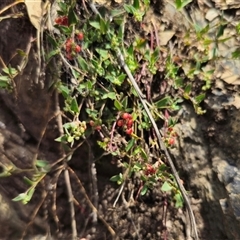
82, 189
54, 205
44, 195
71, 203
66, 173
93, 173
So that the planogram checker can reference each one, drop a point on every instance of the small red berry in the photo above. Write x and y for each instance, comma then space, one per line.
125, 115
64, 21
129, 131
91, 123
171, 141
98, 127
150, 170
77, 48
129, 123
80, 36
68, 44
120, 123
69, 57
58, 20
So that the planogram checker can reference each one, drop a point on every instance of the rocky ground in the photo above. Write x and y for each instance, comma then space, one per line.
206, 154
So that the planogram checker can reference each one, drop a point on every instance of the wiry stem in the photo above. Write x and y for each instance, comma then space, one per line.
66, 175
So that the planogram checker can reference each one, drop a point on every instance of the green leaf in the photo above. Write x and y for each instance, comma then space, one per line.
4, 84
162, 168
21, 53
83, 64
114, 178
155, 55
20, 197
222, 40
181, 3
140, 43
136, 151
126, 165
129, 8
179, 200
52, 53
61, 139
125, 102
120, 181
111, 95
235, 54
137, 167
74, 105
120, 34
28, 181
162, 103
70, 139
95, 24
238, 28
144, 190
5, 173
147, 55
221, 30
178, 4
104, 26
4, 78
13, 71
9, 71
113, 79
204, 30
84, 88
144, 154
64, 29
188, 88
69, 125
63, 6
118, 105
200, 98
207, 41
92, 113
52, 41
64, 90
28, 196
130, 144
117, 178
72, 17
103, 53
41, 163
166, 187
75, 73
136, 4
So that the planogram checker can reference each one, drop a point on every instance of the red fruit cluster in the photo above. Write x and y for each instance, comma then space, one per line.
63, 21
79, 36
71, 47
94, 125
171, 136
171, 141
126, 122
150, 170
